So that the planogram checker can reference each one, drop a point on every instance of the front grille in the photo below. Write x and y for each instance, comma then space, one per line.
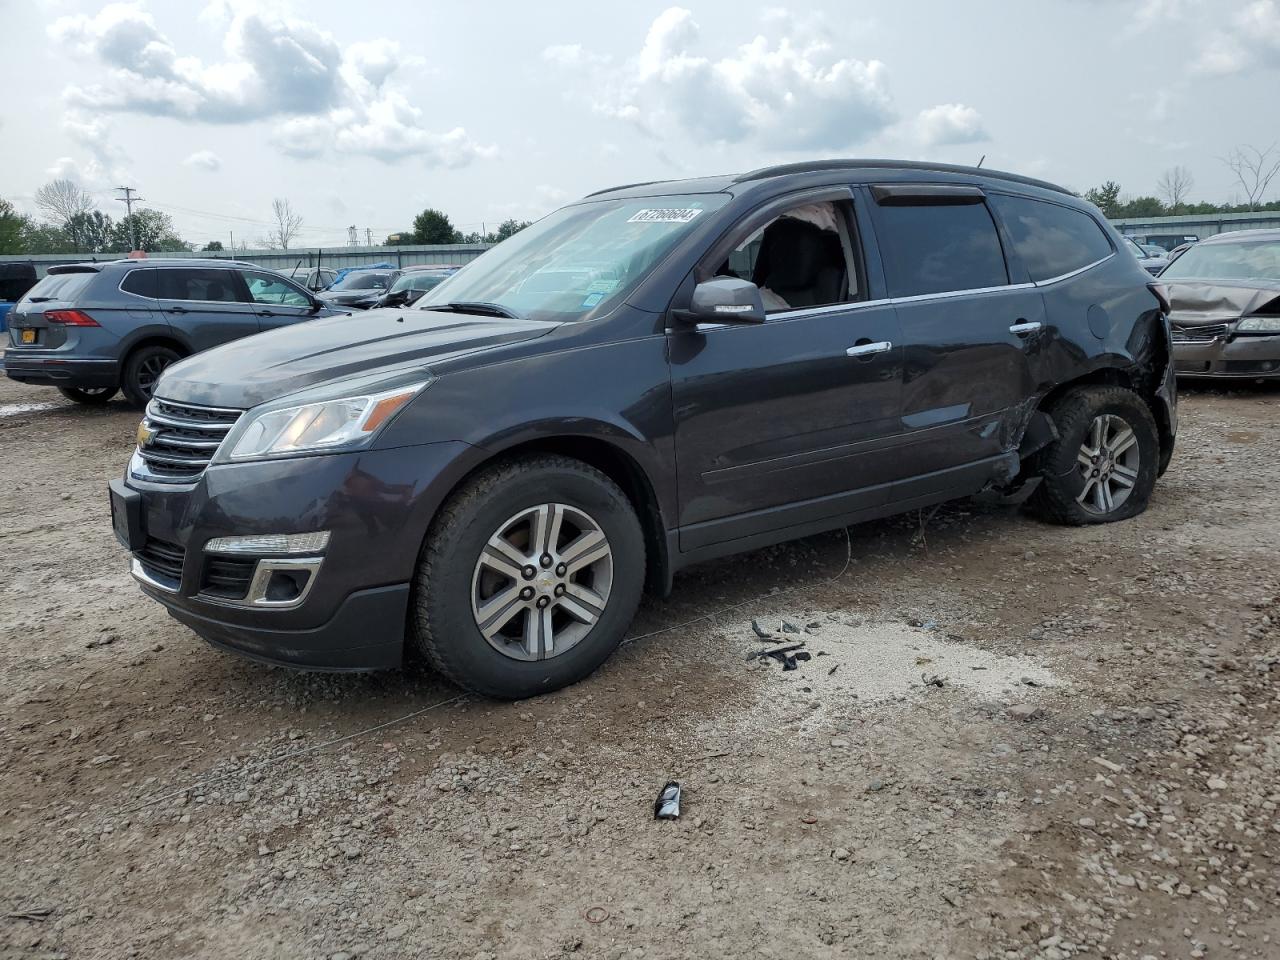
162, 559
228, 577
181, 439
1199, 334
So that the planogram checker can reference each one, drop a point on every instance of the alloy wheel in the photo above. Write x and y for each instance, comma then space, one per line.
1109, 459
542, 581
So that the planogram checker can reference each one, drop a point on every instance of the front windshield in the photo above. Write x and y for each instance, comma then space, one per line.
417, 281
580, 261
362, 281
1237, 260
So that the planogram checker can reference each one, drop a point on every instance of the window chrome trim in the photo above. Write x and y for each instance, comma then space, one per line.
948, 294
1073, 273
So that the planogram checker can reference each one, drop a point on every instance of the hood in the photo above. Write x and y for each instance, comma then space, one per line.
253, 370
1215, 301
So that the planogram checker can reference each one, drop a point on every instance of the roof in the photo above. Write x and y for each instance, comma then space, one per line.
1243, 235
718, 183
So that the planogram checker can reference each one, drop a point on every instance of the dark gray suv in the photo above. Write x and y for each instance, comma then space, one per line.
654, 376
91, 329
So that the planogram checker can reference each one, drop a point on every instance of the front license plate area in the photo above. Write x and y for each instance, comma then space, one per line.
126, 515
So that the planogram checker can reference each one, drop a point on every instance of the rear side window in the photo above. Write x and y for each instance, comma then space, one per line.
59, 286
141, 283
1049, 238
936, 248
218, 286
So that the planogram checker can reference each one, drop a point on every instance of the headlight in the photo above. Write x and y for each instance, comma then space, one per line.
1259, 325
325, 425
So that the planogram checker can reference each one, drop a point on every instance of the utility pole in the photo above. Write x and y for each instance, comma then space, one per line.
233, 241
368, 236
129, 200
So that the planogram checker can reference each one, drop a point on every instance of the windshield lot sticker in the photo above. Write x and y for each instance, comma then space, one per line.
592, 299
602, 286
664, 215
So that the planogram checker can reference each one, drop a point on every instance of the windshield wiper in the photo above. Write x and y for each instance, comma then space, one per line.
481, 307
38, 299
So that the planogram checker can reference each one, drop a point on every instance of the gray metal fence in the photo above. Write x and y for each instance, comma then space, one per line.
336, 258
1197, 225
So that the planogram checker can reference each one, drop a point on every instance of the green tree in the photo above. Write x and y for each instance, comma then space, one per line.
1141, 207
13, 227
213, 246
432, 226
89, 232
44, 238
508, 228
1106, 198
152, 230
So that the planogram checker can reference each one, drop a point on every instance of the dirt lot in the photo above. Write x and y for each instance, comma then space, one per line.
1013, 740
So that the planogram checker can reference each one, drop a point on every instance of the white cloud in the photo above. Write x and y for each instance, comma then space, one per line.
204, 160
785, 91
949, 123
1250, 37
275, 67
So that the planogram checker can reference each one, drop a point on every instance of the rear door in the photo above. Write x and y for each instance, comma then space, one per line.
277, 301
205, 305
791, 421
966, 328
61, 290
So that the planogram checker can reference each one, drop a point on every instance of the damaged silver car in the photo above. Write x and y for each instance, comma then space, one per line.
1225, 297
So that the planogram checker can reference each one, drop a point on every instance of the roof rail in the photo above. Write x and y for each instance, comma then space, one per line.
816, 166
628, 186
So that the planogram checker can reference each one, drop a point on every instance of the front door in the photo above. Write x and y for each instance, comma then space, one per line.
277, 301
791, 421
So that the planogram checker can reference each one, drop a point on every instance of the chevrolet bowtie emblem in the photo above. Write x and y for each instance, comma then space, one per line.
145, 433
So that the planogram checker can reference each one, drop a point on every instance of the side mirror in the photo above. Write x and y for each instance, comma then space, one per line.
725, 300
316, 304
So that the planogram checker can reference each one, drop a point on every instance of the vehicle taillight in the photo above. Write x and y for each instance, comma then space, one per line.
70, 318
1162, 294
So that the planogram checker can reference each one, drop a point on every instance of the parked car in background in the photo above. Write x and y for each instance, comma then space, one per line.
656, 375
1152, 264
1225, 295
91, 329
413, 283
314, 279
15, 280
359, 289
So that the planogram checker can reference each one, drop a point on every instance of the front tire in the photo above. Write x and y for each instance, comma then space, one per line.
89, 396
528, 578
1104, 464
142, 370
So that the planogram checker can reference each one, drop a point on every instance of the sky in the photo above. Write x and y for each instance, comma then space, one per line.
364, 114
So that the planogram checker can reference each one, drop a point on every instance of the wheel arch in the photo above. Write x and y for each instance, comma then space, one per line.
619, 466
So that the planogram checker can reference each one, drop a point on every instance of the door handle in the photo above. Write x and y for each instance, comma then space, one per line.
1022, 327
869, 349
267, 313
177, 309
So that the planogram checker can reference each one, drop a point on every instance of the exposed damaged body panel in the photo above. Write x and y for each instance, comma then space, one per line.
1211, 328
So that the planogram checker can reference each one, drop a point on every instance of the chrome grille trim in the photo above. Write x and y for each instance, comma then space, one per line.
183, 440
1202, 333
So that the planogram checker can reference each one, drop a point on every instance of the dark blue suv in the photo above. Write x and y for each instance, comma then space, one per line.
91, 329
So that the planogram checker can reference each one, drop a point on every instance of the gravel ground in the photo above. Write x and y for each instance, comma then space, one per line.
1012, 740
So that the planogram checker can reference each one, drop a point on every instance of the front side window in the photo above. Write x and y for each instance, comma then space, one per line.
580, 261
264, 288
1050, 239
1235, 260
938, 248
801, 258
185, 283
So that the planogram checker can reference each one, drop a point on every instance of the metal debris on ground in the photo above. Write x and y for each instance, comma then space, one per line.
596, 915
761, 632
667, 806
778, 653
933, 680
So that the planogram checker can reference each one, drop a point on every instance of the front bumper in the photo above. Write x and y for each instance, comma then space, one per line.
1250, 357
52, 371
376, 505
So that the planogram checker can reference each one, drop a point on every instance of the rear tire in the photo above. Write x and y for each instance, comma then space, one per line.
1103, 466
143, 369
89, 396
541, 610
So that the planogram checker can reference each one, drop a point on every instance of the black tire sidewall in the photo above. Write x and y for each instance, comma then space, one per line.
129, 382
446, 601
1062, 475
77, 395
